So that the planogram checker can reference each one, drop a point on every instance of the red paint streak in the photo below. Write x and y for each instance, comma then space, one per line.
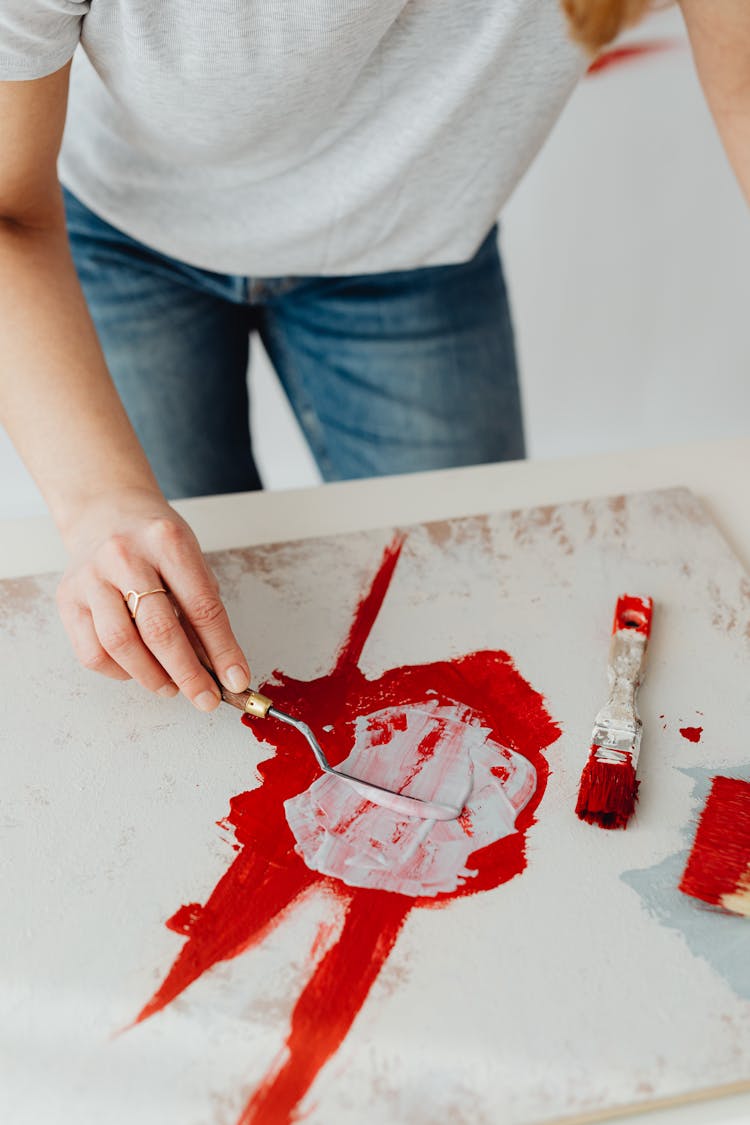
629, 53
329, 1004
425, 750
325, 933
268, 876
608, 792
719, 861
366, 613
633, 614
692, 734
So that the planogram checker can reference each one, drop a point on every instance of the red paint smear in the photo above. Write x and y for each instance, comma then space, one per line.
692, 734
629, 53
608, 792
382, 731
426, 749
633, 614
267, 877
720, 856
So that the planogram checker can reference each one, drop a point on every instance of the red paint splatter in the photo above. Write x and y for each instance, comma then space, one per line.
608, 791
719, 861
692, 734
268, 876
628, 53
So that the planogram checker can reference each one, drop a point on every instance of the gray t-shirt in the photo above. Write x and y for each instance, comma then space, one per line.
274, 137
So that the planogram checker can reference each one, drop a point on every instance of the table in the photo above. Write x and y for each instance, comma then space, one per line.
714, 471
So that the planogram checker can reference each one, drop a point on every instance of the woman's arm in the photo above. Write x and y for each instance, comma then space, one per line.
62, 411
719, 31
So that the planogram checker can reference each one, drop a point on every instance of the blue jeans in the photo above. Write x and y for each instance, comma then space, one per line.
386, 373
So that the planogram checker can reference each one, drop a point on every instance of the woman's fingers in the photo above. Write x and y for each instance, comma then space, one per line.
86, 645
137, 542
119, 638
186, 573
161, 632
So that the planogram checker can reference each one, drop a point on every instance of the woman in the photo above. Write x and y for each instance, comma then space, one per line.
327, 174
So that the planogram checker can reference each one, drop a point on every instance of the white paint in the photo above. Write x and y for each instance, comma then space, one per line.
365, 846
396, 800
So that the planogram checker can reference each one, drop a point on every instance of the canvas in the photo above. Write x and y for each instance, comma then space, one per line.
312, 957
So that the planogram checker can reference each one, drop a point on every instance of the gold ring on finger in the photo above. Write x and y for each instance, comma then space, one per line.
133, 597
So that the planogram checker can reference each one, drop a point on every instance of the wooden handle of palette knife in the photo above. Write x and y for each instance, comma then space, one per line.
234, 699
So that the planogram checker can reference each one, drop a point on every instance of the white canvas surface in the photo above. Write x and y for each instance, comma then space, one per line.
584, 984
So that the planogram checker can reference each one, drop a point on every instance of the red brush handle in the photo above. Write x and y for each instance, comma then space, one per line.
633, 613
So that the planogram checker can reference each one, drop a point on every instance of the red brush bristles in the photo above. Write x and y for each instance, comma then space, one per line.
608, 792
718, 868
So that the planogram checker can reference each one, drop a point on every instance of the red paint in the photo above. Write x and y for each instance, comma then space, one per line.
692, 734
628, 53
719, 862
329, 1004
608, 792
267, 876
465, 821
383, 731
183, 919
634, 614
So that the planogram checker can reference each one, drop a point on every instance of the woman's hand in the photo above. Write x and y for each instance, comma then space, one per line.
133, 540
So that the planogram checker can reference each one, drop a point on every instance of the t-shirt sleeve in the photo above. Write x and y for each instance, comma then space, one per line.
37, 37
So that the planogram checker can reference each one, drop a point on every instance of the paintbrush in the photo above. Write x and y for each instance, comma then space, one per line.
609, 788
718, 868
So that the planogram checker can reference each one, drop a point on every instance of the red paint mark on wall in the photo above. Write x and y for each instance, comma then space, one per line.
692, 734
263, 883
628, 53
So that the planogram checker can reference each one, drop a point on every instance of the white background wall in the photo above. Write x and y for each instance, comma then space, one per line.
627, 252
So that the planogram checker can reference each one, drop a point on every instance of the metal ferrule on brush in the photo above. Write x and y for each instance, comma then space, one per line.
617, 727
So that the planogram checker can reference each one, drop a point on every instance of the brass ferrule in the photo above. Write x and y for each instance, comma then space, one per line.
257, 705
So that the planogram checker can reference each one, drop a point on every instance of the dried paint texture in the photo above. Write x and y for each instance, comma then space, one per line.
269, 875
718, 868
433, 751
